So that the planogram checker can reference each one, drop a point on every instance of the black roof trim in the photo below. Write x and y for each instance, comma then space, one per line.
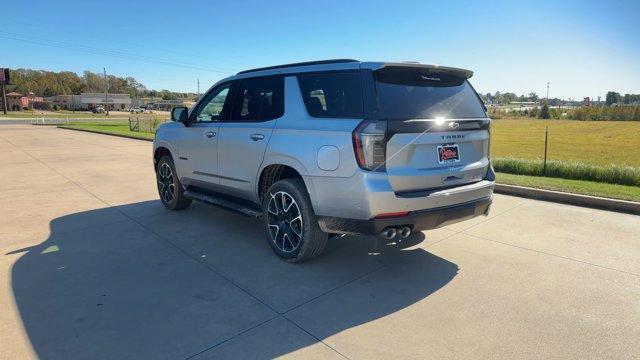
306, 63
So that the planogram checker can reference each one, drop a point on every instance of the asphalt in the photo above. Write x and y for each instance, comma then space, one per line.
92, 266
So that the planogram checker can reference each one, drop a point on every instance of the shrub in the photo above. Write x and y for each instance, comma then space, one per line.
613, 174
544, 111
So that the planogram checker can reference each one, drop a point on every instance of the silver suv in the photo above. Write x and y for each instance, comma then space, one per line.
332, 147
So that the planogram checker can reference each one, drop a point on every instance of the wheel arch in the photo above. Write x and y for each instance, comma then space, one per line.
278, 169
159, 152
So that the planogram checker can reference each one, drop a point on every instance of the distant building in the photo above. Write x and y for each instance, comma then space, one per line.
28, 101
14, 102
144, 102
88, 101
41, 104
165, 105
69, 102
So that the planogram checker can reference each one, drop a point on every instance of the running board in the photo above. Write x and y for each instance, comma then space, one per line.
224, 203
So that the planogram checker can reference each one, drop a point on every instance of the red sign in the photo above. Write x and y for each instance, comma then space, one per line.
4, 76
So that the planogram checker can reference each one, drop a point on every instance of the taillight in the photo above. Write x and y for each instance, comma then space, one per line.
489, 142
370, 145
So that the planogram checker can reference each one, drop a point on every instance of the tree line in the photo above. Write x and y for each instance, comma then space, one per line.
583, 113
50, 83
506, 98
614, 97
500, 98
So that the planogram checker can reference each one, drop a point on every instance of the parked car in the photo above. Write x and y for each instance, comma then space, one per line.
98, 109
136, 110
332, 147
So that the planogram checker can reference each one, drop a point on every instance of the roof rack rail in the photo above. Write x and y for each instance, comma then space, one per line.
306, 63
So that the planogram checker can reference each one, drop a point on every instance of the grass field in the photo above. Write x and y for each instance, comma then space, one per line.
117, 129
612, 174
590, 142
623, 192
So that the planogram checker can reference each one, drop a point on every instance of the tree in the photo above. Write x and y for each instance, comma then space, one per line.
93, 82
544, 112
49, 83
613, 98
630, 99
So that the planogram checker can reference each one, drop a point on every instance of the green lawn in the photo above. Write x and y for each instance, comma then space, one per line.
589, 142
623, 192
118, 129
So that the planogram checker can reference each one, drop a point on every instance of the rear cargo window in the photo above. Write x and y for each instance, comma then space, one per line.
332, 94
410, 93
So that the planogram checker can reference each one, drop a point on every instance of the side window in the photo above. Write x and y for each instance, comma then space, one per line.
215, 105
273, 100
332, 94
259, 99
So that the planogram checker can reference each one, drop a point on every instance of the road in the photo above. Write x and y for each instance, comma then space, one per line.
92, 266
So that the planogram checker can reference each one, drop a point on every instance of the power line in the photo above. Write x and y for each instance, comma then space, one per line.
111, 53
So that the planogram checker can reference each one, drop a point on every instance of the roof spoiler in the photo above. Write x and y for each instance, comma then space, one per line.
463, 73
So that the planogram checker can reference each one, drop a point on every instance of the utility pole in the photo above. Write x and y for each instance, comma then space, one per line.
546, 138
4, 75
106, 90
4, 100
547, 91
198, 89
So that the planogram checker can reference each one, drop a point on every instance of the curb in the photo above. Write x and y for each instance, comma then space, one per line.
624, 206
104, 133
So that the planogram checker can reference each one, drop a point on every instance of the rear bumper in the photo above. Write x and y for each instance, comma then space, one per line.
417, 220
368, 194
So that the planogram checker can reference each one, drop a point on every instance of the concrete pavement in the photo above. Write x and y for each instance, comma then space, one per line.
92, 266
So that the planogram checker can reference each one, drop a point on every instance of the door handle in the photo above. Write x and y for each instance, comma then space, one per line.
256, 137
210, 134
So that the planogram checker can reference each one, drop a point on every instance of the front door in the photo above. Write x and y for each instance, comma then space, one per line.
198, 146
245, 135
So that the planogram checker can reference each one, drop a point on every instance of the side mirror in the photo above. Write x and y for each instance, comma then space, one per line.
180, 114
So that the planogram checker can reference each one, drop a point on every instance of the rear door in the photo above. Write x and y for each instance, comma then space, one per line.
259, 102
439, 131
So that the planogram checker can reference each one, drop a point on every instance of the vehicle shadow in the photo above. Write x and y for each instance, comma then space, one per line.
139, 282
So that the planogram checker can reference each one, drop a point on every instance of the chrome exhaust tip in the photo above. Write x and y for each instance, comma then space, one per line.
405, 231
389, 233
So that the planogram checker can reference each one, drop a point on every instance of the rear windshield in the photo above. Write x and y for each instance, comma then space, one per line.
404, 93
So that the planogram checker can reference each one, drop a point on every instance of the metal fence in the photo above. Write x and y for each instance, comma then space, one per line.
144, 123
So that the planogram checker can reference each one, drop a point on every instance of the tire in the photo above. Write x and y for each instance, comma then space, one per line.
169, 188
282, 228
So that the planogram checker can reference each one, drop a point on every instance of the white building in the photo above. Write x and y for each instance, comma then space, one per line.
165, 105
89, 101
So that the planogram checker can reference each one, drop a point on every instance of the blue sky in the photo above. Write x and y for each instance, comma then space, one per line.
583, 48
